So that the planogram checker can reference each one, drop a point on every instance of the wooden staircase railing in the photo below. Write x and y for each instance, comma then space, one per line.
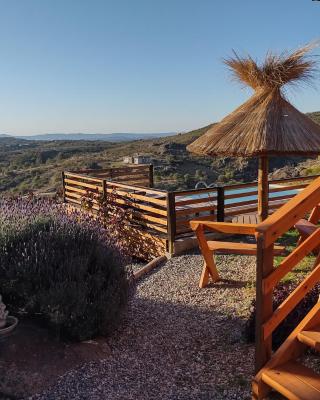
272, 370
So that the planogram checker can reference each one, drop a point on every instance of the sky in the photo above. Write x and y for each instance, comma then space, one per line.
102, 66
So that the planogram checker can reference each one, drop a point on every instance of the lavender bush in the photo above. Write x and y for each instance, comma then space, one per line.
62, 266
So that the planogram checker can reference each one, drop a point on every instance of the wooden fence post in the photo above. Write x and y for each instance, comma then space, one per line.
63, 188
104, 189
264, 306
151, 183
171, 218
220, 204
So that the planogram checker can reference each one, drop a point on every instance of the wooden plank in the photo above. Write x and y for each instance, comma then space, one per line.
275, 206
221, 204
127, 178
298, 178
72, 200
171, 216
263, 187
186, 222
240, 185
291, 261
243, 210
241, 203
311, 337
209, 267
84, 184
144, 217
286, 188
294, 381
225, 227
194, 191
63, 186
137, 188
196, 201
79, 203
135, 196
138, 183
239, 195
290, 349
264, 304
285, 217
194, 210
238, 220
282, 197
291, 302
151, 175
139, 206
76, 189
145, 224
315, 215
238, 248
78, 176
73, 194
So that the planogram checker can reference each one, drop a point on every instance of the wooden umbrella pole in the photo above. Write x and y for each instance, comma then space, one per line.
263, 187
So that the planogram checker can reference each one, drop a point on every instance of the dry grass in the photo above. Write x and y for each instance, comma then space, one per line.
266, 124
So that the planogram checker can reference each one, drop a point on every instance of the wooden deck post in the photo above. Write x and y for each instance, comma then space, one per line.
63, 188
220, 204
151, 183
171, 216
263, 188
264, 306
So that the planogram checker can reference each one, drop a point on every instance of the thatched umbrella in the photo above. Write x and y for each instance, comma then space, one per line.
267, 124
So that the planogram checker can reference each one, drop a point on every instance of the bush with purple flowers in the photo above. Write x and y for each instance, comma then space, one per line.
61, 266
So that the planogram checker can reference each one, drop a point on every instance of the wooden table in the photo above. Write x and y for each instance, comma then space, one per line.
246, 219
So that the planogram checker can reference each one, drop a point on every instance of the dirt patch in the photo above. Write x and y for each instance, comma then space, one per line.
32, 358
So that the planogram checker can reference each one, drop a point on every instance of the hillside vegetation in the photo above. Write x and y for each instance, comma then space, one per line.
37, 165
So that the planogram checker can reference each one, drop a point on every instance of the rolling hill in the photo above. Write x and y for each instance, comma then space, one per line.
36, 165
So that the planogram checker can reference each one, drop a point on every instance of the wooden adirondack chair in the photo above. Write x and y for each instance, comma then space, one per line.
306, 227
211, 247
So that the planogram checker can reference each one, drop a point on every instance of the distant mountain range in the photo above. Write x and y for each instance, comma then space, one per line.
111, 137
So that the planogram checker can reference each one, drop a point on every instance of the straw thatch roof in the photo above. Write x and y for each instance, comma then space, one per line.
266, 124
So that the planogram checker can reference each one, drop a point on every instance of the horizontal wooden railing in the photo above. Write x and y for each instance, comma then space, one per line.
140, 175
242, 198
169, 213
192, 205
282, 220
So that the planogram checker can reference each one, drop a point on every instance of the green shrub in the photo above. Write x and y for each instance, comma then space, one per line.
61, 267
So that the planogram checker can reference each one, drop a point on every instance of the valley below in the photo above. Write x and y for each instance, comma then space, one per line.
36, 165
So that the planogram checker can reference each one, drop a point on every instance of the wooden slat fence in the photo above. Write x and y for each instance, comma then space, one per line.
192, 205
167, 214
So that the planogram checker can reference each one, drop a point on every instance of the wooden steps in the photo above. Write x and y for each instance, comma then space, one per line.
294, 381
283, 373
311, 337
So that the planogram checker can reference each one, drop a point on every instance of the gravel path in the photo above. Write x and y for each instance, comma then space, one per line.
178, 342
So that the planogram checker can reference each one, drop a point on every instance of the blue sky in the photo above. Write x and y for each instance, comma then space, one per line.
137, 65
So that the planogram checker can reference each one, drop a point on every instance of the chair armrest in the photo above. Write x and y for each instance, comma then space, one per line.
225, 227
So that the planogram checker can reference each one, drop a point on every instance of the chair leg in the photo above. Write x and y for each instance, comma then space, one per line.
209, 269
204, 279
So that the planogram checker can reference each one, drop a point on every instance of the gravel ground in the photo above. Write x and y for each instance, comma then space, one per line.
178, 342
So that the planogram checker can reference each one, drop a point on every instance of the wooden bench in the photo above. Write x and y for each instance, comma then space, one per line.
210, 248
